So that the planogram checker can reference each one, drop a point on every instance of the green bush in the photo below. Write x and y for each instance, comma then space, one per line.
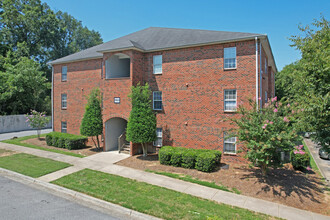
64, 140
189, 158
165, 154
176, 158
300, 161
206, 161
201, 159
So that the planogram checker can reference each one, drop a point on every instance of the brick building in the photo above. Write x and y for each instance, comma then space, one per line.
198, 78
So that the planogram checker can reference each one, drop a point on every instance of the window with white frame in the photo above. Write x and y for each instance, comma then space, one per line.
64, 73
230, 58
266, 66
64, 101
230, 102
266, 97
63, 127
159, 137
229, 145
157, 100
157, 63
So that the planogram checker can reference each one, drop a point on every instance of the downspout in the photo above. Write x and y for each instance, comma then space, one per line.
260, 79
257, 72
52, 98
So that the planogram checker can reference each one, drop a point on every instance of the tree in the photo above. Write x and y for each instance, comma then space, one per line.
37, 120
309, 81
141, 126
92, 122
266, 132
23, 87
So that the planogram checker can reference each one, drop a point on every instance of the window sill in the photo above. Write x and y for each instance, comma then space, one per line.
230, 68
64, 108
158, 110
230, 154
119, 78
230, 111
158, 73
64, 80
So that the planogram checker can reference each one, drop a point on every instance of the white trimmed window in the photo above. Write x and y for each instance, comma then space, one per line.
230, 58
266, 66
63, 127
230, 102
159, 137
229, 145
64, 101
157, 100
158, 64
266, 97
64, 73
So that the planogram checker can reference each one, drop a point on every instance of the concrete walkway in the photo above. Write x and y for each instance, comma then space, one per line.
323, 165
105, 162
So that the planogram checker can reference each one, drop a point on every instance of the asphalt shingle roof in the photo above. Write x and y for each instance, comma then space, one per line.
156, 38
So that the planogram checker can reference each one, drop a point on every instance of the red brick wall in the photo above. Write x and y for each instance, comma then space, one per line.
193, 83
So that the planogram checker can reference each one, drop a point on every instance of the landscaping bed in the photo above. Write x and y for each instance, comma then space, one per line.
285, 185
89, 150
150, 199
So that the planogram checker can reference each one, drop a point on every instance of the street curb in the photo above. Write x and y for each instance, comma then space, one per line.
80, 198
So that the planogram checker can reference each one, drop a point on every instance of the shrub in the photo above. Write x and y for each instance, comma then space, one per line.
189, 158
299, 159
165, 154
206, 161
64, 140
176, 157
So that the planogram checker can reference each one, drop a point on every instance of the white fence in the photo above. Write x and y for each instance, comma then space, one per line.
11, 123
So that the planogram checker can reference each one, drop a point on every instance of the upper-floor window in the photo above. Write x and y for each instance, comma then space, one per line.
159, 137
64, 127
157, 63
266, 97
64, 73
230, 58
266, 66
64, 101
157, 100
229, 144
230, 101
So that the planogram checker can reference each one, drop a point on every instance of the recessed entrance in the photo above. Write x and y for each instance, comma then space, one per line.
117, 66
114, 128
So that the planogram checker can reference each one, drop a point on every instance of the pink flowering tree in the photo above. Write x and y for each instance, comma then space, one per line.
37, 120
266, 132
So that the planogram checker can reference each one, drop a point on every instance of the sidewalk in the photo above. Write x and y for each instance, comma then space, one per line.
105, 162
323, 165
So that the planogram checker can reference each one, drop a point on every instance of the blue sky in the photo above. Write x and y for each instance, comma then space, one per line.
279, 19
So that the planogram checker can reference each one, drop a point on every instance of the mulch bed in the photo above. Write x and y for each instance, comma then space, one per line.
286, 186
89, 150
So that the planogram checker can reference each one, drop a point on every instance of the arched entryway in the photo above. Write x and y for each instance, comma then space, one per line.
114, 128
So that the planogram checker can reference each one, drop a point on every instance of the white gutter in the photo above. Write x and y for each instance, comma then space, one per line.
257, 73
260, 77
52, 98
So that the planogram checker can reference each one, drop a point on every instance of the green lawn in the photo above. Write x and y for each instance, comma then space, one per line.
31, 165
18, 141
195, 180
312, 161
150, 199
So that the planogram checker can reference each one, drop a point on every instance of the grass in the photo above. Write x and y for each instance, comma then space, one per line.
31, 165
195, 180
4, 151
150, 199
18, 141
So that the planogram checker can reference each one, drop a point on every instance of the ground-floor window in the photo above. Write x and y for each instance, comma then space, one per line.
229, 144
159, 140
63, 127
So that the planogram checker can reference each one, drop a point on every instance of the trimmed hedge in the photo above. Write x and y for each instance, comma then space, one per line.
64, 140
300, 161
200, 159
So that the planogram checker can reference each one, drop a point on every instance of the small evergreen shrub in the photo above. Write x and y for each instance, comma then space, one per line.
165, 154
205, 161
300, 160
189, 158
64, 140
176, 157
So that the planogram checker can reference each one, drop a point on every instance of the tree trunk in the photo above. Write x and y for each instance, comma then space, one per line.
263, 169
145, 150
38, 133
94, 142
98, 142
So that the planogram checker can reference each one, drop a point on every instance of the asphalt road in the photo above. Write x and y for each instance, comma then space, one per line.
19, 201
5, 136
